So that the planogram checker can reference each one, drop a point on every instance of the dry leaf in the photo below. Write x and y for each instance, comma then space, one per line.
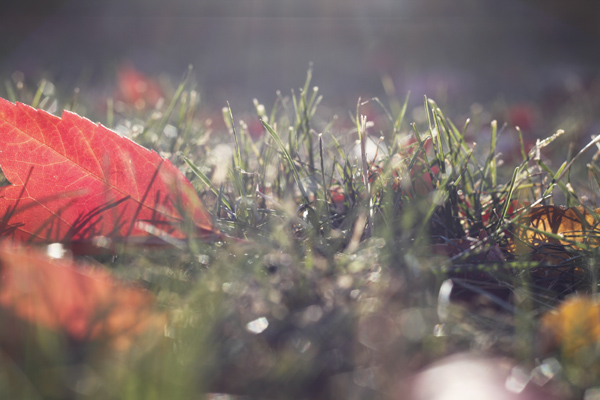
574, 326
82, 303
573, 224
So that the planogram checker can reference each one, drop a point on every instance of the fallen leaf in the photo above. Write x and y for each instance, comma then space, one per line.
572, 226
574, 327
83, 303
136, 88
76, 181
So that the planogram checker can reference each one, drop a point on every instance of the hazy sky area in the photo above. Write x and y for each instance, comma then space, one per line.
463, 50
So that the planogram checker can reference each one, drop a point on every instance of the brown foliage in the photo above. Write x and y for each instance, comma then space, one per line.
567, 227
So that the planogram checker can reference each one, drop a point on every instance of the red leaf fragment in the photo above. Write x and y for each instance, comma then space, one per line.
136, 88
74, 181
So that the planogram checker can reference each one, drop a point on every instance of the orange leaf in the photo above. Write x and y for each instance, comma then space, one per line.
573, 224
83, 303
574, 326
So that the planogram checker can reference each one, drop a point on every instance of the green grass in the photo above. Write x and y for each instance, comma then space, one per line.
349, 287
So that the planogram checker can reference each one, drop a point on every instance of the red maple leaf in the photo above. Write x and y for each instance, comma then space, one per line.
74, 181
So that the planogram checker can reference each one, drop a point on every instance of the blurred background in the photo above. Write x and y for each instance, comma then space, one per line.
459, 52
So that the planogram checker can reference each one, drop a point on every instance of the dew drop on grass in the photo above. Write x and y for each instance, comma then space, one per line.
301, 344
257, 326
444, 299
439, 330
544, 372
344, 281
517, 380
374, 277
311, 315
170, 131
101, 241
55, 250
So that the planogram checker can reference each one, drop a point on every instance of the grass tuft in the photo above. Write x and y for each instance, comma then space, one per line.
370, 248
